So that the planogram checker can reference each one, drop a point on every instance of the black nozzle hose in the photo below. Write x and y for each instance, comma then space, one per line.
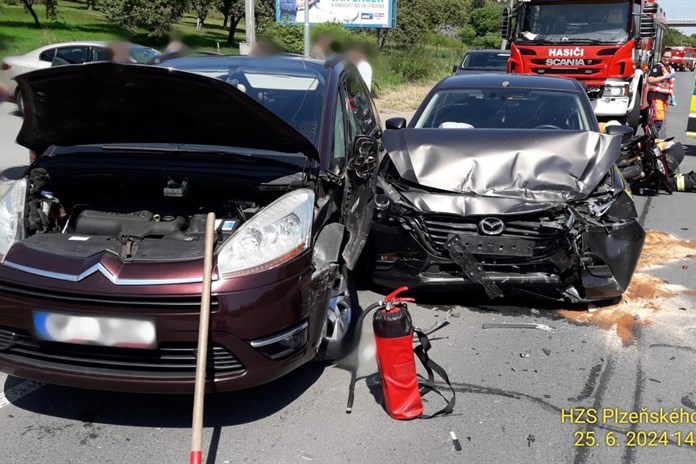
356, 340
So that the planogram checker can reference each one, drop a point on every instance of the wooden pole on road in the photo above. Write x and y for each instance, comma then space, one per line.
202, 354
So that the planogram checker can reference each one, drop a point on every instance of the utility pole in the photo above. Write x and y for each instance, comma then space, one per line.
306, 28
250, 26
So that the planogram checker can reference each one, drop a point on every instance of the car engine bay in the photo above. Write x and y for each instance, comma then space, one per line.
137, 224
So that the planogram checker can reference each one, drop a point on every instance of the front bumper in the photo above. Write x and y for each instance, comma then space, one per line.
611, 106
242, 313
601, 270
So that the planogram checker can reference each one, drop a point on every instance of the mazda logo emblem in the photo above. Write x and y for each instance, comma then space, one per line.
491, 226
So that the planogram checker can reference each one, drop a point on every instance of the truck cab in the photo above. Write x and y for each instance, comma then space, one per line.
607, 45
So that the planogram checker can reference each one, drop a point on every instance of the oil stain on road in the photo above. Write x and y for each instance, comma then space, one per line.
647, 295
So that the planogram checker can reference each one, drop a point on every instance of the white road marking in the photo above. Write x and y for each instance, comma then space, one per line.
18, 392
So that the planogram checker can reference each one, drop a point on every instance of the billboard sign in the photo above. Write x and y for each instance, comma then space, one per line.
350, 13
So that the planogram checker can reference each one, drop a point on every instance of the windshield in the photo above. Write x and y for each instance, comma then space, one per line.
504, 109
294, 93
142, 55
605, 21
485, 60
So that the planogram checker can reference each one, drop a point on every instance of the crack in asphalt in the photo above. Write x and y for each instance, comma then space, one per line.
677, 347
582, 452
630, 452
644, 213
590, 384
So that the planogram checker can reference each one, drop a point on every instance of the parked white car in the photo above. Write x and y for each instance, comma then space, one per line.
61, 54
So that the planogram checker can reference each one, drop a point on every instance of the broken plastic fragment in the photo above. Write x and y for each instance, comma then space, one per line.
519, 326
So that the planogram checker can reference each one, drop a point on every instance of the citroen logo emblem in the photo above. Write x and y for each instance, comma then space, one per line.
491, 226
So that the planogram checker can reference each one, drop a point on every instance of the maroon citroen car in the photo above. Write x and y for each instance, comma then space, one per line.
101, 242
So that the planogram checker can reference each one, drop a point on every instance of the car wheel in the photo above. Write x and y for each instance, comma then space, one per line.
20, 102
341, 317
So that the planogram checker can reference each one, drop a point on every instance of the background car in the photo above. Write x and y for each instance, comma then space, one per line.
64, 53
504, 183
483, 61
106, 229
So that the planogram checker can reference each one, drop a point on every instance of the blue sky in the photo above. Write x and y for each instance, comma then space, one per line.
680, 9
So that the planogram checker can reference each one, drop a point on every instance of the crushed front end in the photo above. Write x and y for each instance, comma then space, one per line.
577, 251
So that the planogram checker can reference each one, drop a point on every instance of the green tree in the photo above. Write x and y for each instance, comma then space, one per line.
51, 10
155, 16
232, 13
201, 8
487, 19
475, 4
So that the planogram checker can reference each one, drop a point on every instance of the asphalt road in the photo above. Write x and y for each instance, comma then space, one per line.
513, 384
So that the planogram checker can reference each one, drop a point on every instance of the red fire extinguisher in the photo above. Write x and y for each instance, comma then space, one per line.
394, 331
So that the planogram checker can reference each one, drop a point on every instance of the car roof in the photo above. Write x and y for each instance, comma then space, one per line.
279, 63
84, 43
511, 80
491, 51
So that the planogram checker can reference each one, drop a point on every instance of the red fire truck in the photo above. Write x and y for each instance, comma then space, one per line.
683, 58
608, 45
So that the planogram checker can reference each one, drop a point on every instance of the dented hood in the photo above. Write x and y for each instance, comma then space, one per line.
530, 169
109, 103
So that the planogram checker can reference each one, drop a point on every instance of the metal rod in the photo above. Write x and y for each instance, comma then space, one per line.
202, 354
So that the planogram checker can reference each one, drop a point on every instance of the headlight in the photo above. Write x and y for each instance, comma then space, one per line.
13, 196
276, 234
615, 91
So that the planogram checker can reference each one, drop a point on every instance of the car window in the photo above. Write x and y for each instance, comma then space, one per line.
361, 119
479, 60
504, 109
47, 55
294, 94
100, 54
70, 55
339, 148
142, 55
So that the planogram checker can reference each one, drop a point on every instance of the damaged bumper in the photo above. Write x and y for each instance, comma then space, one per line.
560, 253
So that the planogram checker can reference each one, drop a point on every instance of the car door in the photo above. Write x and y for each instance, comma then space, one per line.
360, 126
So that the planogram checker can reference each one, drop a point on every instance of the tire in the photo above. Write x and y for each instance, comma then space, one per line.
19, 100
339, 330
633, 118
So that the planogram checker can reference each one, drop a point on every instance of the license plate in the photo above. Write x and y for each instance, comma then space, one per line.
497, 246
95, 330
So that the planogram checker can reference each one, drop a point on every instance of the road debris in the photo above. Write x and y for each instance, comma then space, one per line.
519, 326
546, 351
455, 441
530, 439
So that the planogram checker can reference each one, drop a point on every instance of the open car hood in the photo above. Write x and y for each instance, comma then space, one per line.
514, 167
109, 103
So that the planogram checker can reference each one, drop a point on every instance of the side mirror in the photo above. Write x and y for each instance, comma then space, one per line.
395, 123
651, 8
626, 132
506, 23
455, 68
365, 156
648, 28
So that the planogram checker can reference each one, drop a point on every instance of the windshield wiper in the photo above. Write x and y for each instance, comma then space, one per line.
586, 40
